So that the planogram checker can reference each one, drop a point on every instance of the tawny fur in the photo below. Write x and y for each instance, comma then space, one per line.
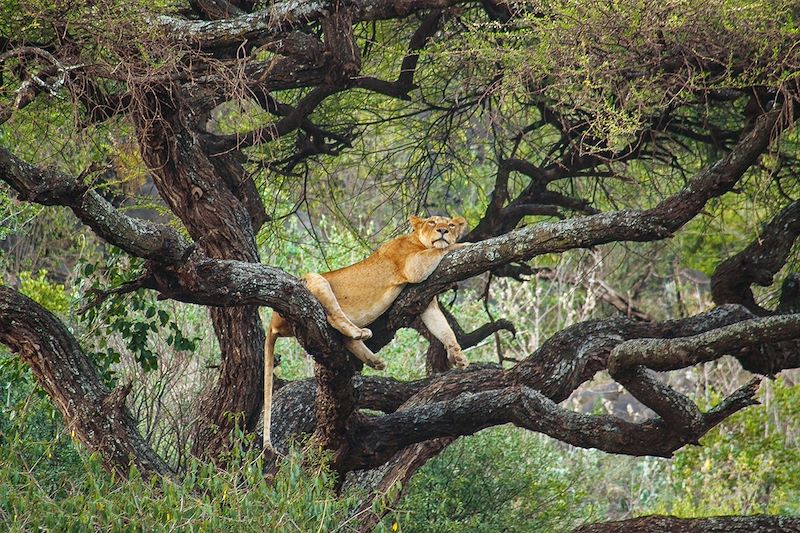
355, 296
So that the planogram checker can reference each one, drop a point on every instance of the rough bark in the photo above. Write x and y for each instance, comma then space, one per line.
94, 415
758, 263
140, 238
716, 524
281, 17
374, 440
218, 209
225, 282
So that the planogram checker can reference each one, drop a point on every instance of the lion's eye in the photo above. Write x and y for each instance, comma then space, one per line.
452, 225
431, 223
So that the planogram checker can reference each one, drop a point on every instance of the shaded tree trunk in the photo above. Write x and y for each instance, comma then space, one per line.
221, 210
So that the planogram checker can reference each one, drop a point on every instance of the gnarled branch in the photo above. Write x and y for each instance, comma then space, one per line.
95, 415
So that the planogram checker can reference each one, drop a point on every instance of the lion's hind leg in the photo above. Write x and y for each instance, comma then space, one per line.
320, 288
360, 350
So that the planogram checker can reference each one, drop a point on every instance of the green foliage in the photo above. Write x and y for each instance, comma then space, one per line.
613, 59
133, 317
502, 479
300, 498
51, 296
32, 439
48, 483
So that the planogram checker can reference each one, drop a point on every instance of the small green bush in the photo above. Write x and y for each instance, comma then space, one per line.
502, 479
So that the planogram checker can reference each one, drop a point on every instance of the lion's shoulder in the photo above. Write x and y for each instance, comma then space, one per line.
398, 250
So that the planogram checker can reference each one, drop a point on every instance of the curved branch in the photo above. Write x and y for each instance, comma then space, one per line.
462, 402
405, 79
291, 121
293, 405
141, 238
96, 416
758, 263
379, 438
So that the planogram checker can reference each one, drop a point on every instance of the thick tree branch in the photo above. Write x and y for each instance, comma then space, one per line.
758, 263
564, 362
217, 202
380, 437
281, 17
672, 354
716, 524
230, 282
94, 415
140, 238
235, 283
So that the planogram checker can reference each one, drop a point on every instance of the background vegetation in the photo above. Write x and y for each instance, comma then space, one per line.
333, 209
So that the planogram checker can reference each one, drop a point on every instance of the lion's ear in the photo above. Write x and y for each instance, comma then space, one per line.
461, 222
416, 222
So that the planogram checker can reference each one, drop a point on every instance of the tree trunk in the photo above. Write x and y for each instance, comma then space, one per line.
215, 200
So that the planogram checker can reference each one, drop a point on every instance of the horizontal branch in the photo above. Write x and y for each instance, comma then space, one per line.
284, 16
380, 437
293, 405
462, 402
671, 354
225, 283
715, 524
140, 238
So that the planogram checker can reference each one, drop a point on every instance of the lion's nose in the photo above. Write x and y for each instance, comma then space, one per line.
442, 230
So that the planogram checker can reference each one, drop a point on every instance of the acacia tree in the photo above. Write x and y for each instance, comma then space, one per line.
551, 105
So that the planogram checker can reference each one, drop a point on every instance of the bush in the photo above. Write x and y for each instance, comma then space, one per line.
502, 479
301, 498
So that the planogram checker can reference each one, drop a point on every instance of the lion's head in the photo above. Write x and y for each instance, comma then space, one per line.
438, 232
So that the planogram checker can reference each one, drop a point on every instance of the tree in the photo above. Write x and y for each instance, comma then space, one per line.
551, 107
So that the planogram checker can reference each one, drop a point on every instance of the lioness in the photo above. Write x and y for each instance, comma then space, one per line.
355, 296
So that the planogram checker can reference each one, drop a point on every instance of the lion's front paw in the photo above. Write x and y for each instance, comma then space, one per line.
365, 334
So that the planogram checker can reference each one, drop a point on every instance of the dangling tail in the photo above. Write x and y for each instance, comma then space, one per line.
269, 366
